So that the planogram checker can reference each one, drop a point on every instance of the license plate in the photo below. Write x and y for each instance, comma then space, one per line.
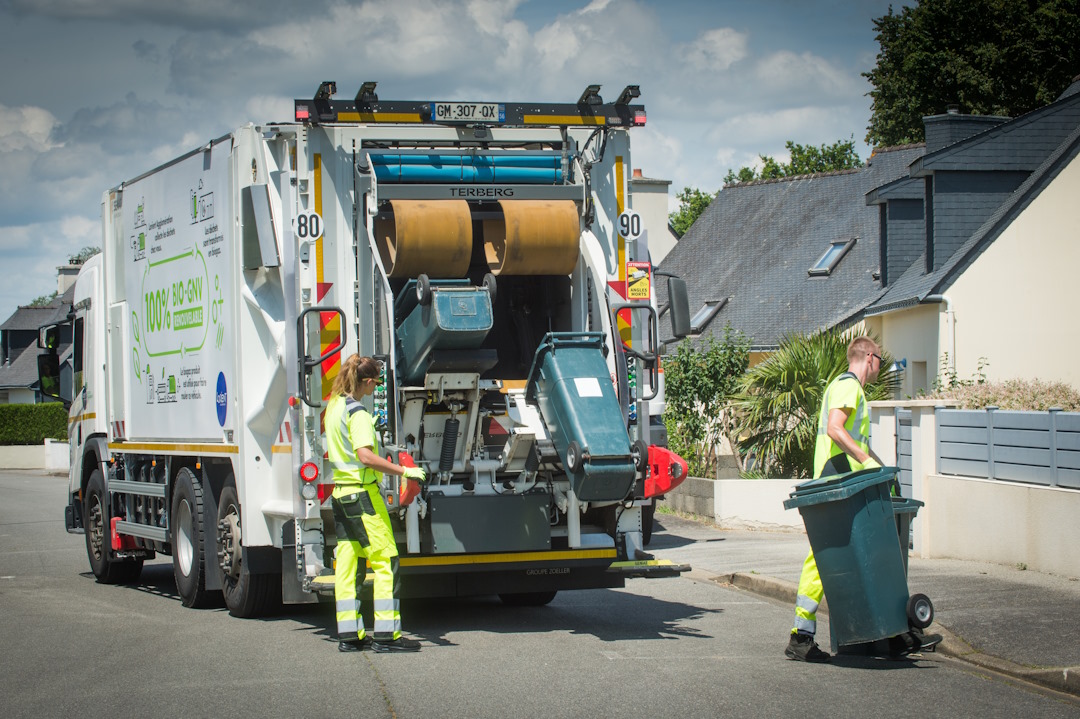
468, 112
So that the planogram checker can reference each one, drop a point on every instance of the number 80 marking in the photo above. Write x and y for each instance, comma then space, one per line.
309, 226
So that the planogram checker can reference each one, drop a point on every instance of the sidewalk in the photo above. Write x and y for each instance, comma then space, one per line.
1020, 623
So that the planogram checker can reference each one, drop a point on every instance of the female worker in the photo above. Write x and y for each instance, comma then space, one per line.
361, 521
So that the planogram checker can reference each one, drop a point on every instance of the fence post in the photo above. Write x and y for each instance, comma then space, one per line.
990, 442
1053, 446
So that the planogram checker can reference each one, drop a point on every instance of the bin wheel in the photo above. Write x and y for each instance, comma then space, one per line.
920, 611
489, 285
640, 453
423, 290
573, 457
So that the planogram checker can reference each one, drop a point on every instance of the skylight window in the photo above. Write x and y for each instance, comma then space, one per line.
704, 316
833, 254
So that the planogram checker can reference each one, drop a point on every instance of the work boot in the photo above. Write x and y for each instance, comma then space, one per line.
401, 644
803, 648
354, 645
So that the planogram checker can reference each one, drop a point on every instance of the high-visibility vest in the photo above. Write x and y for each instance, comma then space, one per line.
844, 392
348, 426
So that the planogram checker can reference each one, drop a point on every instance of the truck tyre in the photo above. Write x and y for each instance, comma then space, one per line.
187, 532
527, 599
246, 594
98, 521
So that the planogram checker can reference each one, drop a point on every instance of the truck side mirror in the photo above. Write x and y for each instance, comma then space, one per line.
49, 337
49, 374
679, 307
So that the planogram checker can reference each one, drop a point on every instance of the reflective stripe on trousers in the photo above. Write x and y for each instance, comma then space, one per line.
350, 570
809, 598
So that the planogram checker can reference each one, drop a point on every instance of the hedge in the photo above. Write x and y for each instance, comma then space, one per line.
32, 423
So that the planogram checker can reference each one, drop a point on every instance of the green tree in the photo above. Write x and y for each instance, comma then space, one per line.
80, 257
805, 160
692, 202
697, 384
778, 400
989, 57
42, 301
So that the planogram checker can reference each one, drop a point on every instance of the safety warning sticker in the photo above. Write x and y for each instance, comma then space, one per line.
638, 280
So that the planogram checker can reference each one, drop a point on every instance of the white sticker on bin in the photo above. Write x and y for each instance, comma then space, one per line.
587, 386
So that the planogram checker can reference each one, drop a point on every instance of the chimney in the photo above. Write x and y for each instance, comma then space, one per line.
953, 127
65, 277
637, 172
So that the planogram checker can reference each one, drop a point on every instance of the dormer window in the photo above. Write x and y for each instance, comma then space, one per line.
833, 254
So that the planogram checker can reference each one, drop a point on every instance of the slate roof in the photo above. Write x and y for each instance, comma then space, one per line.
21, 369
756, 242
1042, 141
915, 284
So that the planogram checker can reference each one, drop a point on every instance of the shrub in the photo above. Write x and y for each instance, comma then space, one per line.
697, 383
1014, 394
779, 400
32, 423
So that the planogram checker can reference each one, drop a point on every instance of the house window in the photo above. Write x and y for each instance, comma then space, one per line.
703, 317
833, 254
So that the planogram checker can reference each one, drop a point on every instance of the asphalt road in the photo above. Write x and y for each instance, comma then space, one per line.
658, 648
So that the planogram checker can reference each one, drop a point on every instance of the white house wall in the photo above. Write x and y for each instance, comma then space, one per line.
915, 335
1015, 304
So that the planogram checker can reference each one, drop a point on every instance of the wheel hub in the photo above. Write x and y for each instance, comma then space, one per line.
229, 541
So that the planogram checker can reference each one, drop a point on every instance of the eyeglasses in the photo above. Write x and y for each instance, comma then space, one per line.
879, 360
377, 380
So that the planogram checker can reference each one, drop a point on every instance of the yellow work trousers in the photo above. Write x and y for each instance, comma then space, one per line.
810, 595
360, 543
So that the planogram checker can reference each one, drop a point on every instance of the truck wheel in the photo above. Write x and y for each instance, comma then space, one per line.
246, 594
188, 540
527, 599
98, 537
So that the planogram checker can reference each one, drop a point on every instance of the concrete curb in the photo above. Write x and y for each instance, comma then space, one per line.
1064, 679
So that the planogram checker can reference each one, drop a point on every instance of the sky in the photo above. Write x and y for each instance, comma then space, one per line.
96, 92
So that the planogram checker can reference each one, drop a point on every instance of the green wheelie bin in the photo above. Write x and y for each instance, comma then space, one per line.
853, 526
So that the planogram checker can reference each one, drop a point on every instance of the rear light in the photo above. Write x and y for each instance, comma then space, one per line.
309, 473
302, 113
639, 117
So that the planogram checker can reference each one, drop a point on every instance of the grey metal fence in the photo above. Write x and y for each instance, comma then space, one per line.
903, 449
1032, 447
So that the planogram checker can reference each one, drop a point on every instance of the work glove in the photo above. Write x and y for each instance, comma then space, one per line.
415, 473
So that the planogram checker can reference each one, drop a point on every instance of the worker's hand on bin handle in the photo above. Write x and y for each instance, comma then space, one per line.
871, 463
414, 473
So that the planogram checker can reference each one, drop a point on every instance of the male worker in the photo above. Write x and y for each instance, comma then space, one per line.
843, 445
361, 521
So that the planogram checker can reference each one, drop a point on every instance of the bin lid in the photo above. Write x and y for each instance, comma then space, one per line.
838, 487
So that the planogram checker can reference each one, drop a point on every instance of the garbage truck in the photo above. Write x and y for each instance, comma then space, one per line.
478, 250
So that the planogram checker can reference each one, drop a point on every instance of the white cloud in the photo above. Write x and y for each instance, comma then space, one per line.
26, 128
715, 50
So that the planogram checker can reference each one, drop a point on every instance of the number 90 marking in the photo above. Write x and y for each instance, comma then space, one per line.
630, 225
309, 226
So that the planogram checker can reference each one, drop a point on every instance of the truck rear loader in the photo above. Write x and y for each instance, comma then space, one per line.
478, 250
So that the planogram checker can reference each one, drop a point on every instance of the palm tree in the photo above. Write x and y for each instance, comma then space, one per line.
779, 399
